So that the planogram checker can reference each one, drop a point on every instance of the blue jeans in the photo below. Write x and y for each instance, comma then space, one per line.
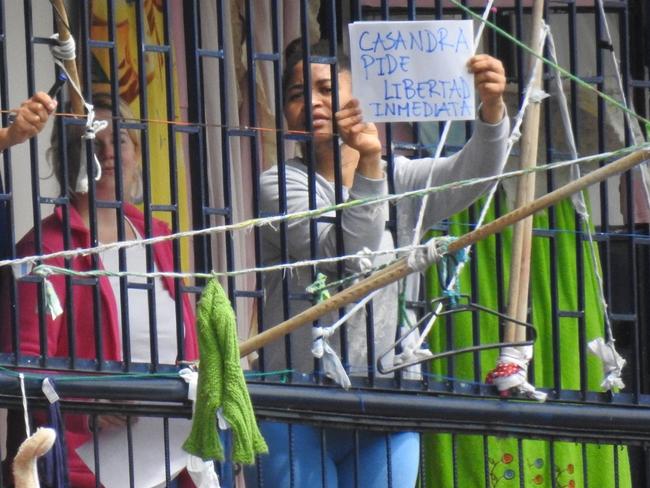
296, 451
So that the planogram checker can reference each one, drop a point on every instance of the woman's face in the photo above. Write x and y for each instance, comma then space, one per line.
105, 152
321, 99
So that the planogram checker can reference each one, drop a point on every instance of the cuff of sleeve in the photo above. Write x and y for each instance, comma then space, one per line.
492, 132
363, 187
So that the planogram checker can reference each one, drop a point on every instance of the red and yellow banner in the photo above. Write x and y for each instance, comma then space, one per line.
127, 52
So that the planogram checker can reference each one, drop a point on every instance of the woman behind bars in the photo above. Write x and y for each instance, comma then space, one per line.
295, 454
76, 326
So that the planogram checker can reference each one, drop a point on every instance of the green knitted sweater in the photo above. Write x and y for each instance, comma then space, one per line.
221, 384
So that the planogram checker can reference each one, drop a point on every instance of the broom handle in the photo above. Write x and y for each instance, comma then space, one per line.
523, 230
63, 27
399, 269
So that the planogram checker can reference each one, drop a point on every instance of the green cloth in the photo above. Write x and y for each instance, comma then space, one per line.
506, 462
221, 384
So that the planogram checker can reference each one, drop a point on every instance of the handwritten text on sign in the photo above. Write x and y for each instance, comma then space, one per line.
413, 70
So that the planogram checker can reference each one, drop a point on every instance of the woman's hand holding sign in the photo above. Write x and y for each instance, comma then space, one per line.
361, 136
490, 82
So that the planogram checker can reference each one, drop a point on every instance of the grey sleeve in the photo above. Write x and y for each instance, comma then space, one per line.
483, 155
361, 226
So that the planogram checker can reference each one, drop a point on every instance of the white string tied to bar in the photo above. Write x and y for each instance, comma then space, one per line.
65, 51
421, 257
28, 433
643, 169
321, 348
604, 349
415, 352
52, 302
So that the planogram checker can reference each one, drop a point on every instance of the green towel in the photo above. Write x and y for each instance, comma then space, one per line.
517, 462
221, 384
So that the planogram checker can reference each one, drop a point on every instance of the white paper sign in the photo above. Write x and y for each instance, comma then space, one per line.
414, 70
148, 453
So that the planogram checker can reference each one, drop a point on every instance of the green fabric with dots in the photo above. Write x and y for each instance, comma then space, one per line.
509, 462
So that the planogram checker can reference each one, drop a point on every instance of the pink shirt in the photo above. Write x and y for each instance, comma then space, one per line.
77, 431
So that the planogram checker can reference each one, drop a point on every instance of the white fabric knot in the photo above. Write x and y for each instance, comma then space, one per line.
613, 363
49, 391
52, 302
63, 50
191, 377
511, 373
537, 95
365, 262
332, 366
420, 258
411, 350
202, 472
92, 127
515, 135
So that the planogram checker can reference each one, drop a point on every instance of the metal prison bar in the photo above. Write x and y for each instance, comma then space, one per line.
186, 64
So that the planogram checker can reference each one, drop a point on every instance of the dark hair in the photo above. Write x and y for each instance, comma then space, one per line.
294, 54
72, 138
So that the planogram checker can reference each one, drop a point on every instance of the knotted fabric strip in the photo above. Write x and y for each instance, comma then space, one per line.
421, 257
613, 363
511, 373
321, 348
52, 302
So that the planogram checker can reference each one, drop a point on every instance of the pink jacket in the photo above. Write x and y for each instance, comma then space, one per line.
77, 431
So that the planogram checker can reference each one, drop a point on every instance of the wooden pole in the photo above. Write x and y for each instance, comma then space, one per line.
523, 230
400, 268
63, 27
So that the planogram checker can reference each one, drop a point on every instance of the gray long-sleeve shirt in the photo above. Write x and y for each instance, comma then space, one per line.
364, 227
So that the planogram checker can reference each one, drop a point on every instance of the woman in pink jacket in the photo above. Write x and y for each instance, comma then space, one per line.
108, 338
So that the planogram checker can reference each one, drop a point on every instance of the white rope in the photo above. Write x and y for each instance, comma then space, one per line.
443, 138
421, 257
321, 348
622, 94
259, 222
605, 350
619, 78
23, 394
65, 51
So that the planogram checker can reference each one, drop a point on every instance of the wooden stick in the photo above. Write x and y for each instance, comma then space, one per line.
523, 230
400, 268
63, 26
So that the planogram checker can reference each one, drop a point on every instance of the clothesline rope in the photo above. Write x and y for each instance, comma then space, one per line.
259, 222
